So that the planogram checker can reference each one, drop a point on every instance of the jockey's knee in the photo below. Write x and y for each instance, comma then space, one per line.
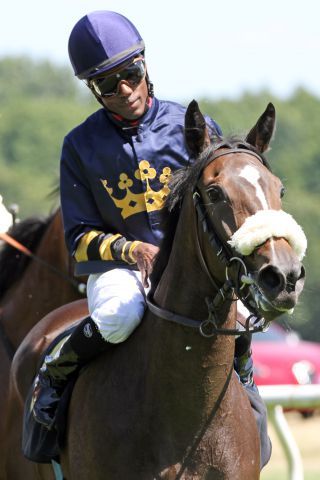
117, 325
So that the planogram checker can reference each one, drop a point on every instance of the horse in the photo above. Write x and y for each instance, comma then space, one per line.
35, 278
167, 404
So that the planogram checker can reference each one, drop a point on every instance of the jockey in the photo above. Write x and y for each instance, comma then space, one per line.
115, 168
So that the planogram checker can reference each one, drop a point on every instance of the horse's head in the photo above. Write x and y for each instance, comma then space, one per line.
239, 201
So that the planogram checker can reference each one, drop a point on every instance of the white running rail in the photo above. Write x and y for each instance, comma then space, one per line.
277, 397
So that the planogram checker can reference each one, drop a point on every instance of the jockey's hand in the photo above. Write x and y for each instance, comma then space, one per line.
144, 254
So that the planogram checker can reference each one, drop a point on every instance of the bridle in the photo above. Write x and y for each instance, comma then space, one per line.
229, 290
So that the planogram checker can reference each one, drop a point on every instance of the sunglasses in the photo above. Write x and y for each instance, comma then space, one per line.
107, 86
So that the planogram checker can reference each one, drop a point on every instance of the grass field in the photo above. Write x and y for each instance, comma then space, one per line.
307, 435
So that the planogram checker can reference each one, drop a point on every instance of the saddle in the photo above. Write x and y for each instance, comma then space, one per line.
38, 443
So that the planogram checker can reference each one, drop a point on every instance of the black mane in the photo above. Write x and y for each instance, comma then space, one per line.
182, 181
12, 262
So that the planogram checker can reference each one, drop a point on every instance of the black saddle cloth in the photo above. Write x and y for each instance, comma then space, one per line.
38, 443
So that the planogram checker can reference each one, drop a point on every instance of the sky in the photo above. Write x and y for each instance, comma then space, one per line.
194, 49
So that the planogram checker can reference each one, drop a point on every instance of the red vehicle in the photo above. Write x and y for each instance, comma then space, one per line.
282, 358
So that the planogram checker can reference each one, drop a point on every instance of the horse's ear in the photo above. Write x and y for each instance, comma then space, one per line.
195, 130
261, 134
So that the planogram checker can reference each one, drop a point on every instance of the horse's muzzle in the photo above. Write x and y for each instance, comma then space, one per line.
281, 287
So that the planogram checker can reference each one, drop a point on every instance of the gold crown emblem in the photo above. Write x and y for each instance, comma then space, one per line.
150, 200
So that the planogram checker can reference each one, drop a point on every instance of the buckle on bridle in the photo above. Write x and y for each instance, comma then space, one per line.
243, 278
208, 328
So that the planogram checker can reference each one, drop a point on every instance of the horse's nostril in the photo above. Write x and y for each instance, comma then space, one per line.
291, 282
302, 273
293, 277
271, 279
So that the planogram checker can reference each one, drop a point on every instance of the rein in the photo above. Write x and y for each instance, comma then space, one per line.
209, 327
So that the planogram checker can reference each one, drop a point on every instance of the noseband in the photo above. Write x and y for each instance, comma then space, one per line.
229, 291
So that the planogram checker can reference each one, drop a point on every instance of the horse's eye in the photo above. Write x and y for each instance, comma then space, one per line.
214, 193
282, 191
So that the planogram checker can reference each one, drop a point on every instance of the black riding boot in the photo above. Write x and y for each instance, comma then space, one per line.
243, 363
84, 344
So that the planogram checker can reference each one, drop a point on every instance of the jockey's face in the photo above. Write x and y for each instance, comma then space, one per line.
124, 90
130, 101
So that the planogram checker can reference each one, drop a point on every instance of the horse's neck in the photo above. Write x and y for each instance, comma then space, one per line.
184, 283
195, 366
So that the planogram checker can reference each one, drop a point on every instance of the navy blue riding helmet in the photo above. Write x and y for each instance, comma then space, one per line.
102, 40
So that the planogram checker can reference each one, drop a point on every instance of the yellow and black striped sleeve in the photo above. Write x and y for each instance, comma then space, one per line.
96, 245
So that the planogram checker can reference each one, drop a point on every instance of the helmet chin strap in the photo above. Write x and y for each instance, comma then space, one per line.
150, 86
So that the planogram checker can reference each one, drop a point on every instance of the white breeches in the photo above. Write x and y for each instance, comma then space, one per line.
116, 301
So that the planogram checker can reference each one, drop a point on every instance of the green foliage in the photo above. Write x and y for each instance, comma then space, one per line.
21, 77
41, 102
